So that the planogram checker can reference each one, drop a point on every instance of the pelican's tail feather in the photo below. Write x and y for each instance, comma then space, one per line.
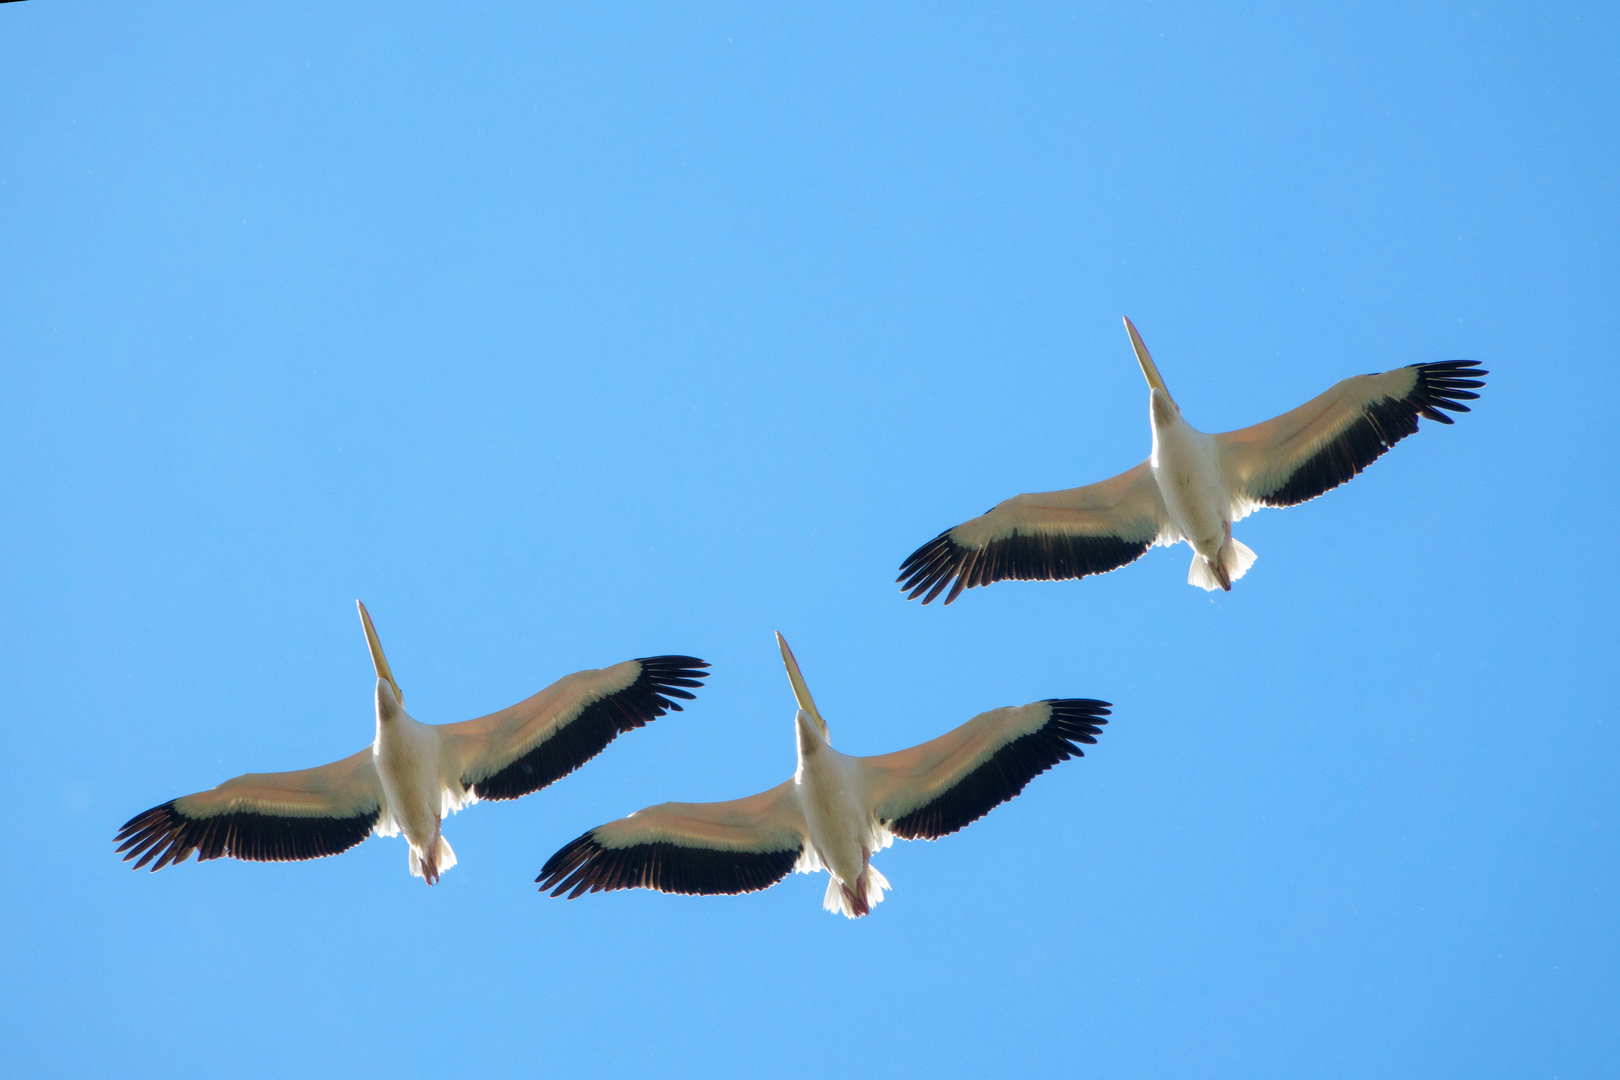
444, 857
1233, 562
841, 901
836, 899
1237, 558
876, 885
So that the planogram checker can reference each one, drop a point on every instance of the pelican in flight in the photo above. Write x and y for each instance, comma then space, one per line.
412, 774
835, 811
1193, 487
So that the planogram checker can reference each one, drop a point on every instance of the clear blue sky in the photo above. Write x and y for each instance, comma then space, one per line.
565, 335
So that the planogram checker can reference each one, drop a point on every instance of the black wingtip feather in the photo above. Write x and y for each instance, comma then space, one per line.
584, 865
1073, 721
168, 836
599, 723
1441, 386
1019, 557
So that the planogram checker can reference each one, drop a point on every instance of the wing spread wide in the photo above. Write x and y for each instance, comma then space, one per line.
934, 789
1334, 436
263, 817
695, 848
538, 741
1043, 537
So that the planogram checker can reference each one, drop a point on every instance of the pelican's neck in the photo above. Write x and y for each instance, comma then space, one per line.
811, 743
1162, 411
390, 713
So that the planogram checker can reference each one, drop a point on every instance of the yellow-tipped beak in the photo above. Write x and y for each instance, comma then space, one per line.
801, 691
1149, 370
378, 660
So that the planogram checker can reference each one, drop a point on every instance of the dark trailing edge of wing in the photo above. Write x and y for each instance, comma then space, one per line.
1073, 720
1383, 424
1019, 557
166, 834
586, 866
598, 724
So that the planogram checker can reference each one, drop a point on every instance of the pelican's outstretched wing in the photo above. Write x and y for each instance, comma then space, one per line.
1044, 537
544, 738
721, 847
265, 817
936, 788
1332, 437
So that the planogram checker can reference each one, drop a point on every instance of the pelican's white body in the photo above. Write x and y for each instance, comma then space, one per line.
843, 831
1186, 467
410, 766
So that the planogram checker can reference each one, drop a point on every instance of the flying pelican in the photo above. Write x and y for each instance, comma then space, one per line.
412, 774
835, 811
1193, 487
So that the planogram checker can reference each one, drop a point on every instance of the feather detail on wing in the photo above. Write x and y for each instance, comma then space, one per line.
934, 789
696, 848
1047, 536
538, 741
264, 817
1329, 439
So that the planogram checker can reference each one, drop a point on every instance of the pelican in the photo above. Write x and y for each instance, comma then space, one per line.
412, 774
835, 811
1193, 487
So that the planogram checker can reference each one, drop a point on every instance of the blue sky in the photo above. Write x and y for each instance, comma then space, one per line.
563, 335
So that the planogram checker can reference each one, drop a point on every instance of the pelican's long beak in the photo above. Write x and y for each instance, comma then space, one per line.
801, 691
378, 660
1149, 370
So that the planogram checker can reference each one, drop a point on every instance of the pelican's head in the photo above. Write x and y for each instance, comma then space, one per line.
809, 736
388, 706
1162, 406
807, 721
390, 699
